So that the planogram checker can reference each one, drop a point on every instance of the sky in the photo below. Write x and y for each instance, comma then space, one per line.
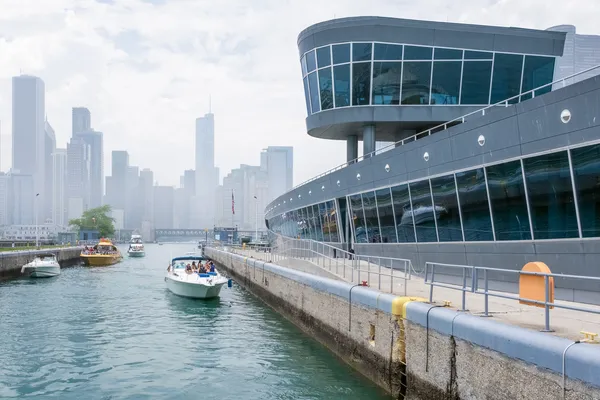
146, 69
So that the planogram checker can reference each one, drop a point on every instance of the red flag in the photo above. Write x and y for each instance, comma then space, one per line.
232, 203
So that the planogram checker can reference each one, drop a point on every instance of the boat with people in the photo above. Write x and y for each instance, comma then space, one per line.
194, 276
103, 254
42, 266
136, 247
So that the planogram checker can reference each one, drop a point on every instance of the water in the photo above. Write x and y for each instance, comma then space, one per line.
117, 333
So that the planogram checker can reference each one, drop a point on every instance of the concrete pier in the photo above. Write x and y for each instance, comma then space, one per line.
12, 261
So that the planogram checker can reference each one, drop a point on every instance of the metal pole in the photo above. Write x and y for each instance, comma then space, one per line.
464, 293
379, 283
547, 304
36, 221
485, 283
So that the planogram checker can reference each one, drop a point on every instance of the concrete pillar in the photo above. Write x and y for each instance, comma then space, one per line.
351, 148
368, 139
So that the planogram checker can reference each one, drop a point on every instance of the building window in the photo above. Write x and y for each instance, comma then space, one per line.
317, 223
447, 54
358, 219
476, 82
474, 205
417, 53
404, 219
306, 96
361, 83
314, 92
416, 82
311, 63
446, 205
423, 212
507, 77
478, 55
586, 173
509, 206
537, 72
326, 89
333, 227
388, 51
386, 82
361, 51
323, 57
386, 216
341, 74
371, 219
551, 199
445, 87
341, 53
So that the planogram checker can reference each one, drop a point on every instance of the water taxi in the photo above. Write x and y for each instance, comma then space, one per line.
136, 247
42, 266
187, 279
104, 253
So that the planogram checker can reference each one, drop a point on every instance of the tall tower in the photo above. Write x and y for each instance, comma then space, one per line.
81, 120
205, 172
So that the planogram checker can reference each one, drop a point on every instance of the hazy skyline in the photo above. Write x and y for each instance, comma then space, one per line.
145, 69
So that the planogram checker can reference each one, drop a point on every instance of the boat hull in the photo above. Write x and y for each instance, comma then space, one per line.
42, 272
193, 290
100, 260
136, 253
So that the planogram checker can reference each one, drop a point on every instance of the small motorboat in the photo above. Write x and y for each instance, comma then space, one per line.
42, 266
184, 282
103, 254
136, 247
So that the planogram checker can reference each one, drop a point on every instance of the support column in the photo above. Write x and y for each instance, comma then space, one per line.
368, 139
351, 148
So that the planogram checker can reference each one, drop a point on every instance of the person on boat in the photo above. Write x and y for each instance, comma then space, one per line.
194, 267
188, 269
212, 266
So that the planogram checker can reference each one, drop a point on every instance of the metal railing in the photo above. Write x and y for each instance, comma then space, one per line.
470, 277
446, 125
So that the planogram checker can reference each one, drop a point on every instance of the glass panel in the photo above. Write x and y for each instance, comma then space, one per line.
318, 223
306, 94
507, 77
476, 82
478, 55
325, 222
341, 74
326, 90
417, 53
303, 65
586, 172
302, 226
423, 211
361, 83
333, 228
293, 217
386, 82
388, 51
311, 63
314, 92
371, 217
551, 199
538, 71
509, 207
323, 56
341, 53
361, 51
415, 82
308, 217
474, 206
404, 219
386, 216
447, 54
445, 87
446, 207
360, 233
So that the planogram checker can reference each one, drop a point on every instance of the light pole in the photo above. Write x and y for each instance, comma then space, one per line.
36, 220
256, 217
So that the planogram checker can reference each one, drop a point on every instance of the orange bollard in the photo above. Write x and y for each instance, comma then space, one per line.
533, 286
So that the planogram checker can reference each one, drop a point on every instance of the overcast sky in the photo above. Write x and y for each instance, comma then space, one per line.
145, 69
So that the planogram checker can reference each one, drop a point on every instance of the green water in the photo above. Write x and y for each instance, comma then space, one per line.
117, 333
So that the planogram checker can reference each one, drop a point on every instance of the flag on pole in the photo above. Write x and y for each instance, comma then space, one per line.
232, 203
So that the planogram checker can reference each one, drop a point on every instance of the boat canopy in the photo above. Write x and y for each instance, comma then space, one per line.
189, 258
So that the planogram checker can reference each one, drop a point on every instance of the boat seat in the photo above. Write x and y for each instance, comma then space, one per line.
212, 273
204, 275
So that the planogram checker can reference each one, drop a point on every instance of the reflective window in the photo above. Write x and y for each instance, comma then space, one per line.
507, 77
314, 92
447, 54
361, 51
537, 72
422, 210
306, 95
551, 199
311, 63
386, 215
303, 65
361, 83
586, 172
326, 89
404, 219
317, 222
478, 55
476, 82
333, 227
371, 219
509, 207
325, 221
445, 205
341, 74
386, 82
302, 225
445, 87
415, 82
474, 205
388, 51
341, 53
323, 56
417, 53
310, 222
358, 219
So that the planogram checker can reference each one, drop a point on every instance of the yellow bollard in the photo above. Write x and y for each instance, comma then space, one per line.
534, 286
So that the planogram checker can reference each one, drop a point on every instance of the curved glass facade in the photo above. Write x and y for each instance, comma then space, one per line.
373, 73
550, 196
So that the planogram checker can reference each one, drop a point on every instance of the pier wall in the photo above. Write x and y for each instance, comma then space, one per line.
417, 350
12, 261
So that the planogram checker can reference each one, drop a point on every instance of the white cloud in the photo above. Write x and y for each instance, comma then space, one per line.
146, 68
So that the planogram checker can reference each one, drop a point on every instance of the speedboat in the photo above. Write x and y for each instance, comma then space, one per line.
195, 285
102, 254
42, 266
136, 247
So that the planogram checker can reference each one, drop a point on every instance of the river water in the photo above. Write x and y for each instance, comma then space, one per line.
117, 333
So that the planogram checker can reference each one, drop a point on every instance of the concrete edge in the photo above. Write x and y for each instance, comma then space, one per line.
582, 361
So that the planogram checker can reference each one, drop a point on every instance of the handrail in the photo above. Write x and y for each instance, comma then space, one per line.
444, 125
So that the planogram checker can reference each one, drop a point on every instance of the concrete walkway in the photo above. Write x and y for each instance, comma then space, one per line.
564, 323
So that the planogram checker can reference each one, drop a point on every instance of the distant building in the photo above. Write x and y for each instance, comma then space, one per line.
78, 177
21, 199
147, 193
4, 186
164, 207
205, 171
81, 120
116, 184
28, 232
189, 181
580, 52
134, 211
59, 189
182, 209
119, 218
49, 148
95, 141
278, 161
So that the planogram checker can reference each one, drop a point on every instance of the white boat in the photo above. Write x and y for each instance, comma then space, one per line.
42, 266
195, 285
136, 247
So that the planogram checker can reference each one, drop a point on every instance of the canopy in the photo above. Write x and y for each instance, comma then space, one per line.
189, 258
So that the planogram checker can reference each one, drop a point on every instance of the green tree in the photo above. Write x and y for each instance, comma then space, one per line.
96, 219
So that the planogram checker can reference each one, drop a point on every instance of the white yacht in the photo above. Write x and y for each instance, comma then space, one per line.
136, 247
42, 266
182, 281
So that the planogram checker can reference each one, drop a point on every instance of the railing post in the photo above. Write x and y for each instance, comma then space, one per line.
547, 304
379, 282
485, 296
464, 290
431, 286
406, 264
392, 275
369, 269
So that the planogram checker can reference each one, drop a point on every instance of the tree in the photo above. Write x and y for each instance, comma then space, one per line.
96, 219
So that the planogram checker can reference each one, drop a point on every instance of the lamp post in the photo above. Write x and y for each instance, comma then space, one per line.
256, 217
36, 220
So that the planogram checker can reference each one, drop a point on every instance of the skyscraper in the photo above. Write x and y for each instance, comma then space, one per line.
116, 192
59, 189
280, 169
21, 199
78, 177
95, 141
81, 120
28, 133
205, 171
164, 197
49, 148
147, 184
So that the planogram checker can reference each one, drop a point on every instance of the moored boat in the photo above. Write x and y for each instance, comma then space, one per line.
183, 281
102, 254
136, 247
42, 266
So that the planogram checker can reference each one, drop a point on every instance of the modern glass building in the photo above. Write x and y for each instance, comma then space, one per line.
495, 164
